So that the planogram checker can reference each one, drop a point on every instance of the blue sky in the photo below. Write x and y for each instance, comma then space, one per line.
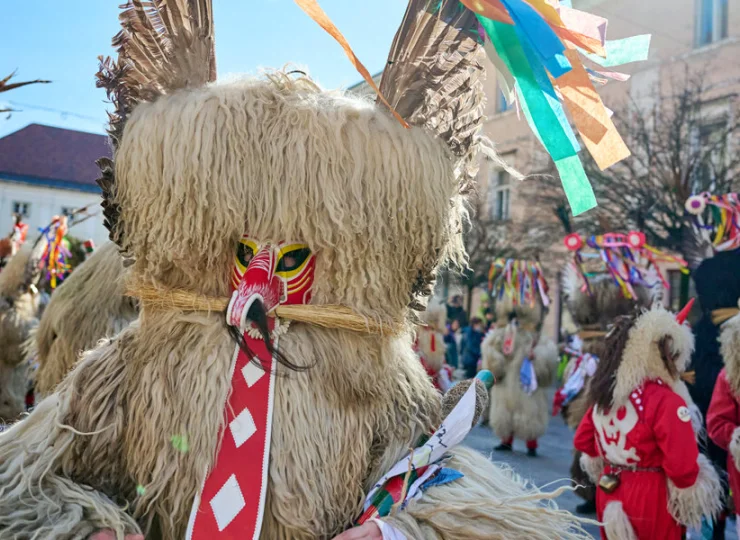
60, 41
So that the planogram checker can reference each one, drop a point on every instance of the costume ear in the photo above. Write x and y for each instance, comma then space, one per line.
667, 354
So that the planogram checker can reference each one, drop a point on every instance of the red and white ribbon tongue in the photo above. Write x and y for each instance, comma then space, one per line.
232, 501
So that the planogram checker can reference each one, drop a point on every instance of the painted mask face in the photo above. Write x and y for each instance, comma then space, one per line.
273, 273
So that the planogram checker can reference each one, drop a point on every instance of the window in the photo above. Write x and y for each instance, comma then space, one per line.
501, 104
675, 280
22, 208
711, 148
711, 21
500, 195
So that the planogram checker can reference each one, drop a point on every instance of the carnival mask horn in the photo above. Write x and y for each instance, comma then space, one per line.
682, 315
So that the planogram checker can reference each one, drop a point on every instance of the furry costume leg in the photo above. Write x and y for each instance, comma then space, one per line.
37, 458
616, 523
489, 502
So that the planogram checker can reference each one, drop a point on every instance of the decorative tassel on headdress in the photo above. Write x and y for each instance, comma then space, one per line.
627, 258
54, 263
522, 281
716, 219
55, 259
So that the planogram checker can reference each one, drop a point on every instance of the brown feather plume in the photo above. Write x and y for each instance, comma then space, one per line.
163, 46
434, 75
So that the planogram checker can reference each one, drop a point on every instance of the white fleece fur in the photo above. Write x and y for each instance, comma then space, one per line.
703, 499
592, 466
641, 359
616, 523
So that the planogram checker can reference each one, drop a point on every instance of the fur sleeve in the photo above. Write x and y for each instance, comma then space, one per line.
702, 499
489, 501
735, 447
492, 358
78, 424
592, 466
545, 361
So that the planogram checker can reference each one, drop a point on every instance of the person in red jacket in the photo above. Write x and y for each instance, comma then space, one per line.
637, 439
723, 416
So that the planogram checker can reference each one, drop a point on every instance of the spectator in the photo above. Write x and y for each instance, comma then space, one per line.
456, 312
452, 342
489, 319
470, 348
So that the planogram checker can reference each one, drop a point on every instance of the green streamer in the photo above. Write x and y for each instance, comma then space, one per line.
622, 51
574, 179
544, 114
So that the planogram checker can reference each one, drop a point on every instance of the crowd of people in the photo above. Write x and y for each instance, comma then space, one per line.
463, 335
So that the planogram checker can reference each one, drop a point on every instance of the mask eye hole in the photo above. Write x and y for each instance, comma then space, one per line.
245, 252
292, 260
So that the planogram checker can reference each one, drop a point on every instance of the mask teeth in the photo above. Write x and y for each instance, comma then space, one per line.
684, 313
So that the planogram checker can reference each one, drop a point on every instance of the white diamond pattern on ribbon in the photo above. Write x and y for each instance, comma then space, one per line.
227, 503
252, 373
242, 427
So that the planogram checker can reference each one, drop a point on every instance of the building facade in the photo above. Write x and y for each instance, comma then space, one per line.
701, 36
47, 171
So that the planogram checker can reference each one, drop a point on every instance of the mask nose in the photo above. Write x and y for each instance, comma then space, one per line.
258, 283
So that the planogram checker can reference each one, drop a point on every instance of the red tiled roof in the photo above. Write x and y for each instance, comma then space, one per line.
53, 154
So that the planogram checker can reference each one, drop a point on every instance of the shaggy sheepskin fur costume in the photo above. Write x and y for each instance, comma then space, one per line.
379, 206
18, 317
513, 412
88, 306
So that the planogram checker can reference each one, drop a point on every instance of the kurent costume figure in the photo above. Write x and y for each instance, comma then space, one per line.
431, 348
19, 305
89, 305
267, 200
637, 439
522, 360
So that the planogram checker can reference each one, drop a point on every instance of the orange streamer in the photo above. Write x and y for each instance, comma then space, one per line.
591, 118
313, 10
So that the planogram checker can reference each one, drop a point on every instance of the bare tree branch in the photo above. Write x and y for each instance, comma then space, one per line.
682, 144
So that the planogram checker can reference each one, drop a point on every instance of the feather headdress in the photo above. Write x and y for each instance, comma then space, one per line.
163, 46
625, 258
434, 76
